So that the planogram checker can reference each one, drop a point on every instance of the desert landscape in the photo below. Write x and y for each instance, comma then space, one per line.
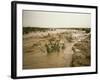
56, 47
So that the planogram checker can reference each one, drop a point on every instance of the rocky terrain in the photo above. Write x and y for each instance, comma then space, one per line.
52, 48
82, 50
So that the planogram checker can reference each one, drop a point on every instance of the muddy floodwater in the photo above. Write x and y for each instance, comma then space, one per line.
51, 48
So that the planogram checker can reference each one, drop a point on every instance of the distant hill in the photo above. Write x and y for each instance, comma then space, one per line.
34, 29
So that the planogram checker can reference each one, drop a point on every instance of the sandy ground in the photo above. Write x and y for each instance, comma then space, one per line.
34, 58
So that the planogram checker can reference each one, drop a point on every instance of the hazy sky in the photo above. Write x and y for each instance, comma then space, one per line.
55, 19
